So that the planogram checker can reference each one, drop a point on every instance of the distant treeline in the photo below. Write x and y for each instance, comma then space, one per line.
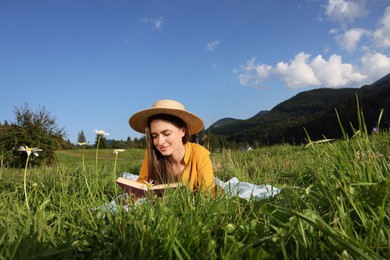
111, 143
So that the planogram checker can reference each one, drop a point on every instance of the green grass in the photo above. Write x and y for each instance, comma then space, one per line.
333, 205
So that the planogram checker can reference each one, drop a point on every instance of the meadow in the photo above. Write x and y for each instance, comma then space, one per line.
334, 204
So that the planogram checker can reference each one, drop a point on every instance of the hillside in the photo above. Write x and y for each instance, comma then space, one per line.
312, 110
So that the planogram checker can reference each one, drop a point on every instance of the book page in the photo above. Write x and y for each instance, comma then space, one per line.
141, 186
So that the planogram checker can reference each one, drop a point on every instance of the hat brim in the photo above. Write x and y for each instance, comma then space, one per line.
139, 120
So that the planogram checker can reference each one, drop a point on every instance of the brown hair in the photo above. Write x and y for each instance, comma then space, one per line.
160, 170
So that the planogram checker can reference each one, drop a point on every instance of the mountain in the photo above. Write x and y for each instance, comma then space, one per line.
381, 81
260, 114
313, 111
225, 121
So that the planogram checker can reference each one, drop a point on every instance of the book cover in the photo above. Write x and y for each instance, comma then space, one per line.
143, 189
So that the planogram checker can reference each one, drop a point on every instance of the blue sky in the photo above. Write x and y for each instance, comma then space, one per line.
93, 63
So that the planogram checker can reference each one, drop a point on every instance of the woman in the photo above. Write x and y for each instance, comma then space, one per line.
170, 156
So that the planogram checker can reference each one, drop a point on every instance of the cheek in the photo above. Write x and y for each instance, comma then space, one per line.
179, 138
172, 139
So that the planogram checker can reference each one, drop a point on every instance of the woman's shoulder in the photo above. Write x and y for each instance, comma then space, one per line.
197, 148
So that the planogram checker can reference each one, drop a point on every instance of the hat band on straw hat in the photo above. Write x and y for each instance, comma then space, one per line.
139, 120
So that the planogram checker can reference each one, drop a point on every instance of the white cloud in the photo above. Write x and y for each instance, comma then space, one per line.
345, 10
380, 37
252, 74
156, 23
376, 65
334, 73
298, 73
304, 72
212, 45
350, 38
382, 34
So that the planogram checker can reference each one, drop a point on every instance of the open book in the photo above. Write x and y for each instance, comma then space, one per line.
141, 189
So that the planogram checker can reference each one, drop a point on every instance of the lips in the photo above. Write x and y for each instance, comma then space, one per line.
163, 149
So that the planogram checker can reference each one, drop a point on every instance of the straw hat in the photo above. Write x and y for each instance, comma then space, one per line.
139, 120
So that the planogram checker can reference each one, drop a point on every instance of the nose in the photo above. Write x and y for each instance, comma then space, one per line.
160, 140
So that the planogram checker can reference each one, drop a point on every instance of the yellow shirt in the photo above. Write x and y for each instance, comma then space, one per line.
198, 173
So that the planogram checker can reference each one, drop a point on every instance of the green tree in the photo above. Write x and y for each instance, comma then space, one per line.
32, 129
103, 142
81, 137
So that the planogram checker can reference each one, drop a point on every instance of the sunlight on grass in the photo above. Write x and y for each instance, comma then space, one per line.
333, 205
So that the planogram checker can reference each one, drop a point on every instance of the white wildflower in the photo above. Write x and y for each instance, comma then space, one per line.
101, 132
29, 150
116, 151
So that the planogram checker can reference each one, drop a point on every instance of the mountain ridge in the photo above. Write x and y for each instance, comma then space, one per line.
288, 119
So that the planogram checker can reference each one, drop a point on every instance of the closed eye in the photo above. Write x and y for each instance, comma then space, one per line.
164, 133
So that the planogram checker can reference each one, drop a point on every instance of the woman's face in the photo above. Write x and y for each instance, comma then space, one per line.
167, 138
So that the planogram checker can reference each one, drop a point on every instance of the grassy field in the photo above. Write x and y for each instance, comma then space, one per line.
334, 204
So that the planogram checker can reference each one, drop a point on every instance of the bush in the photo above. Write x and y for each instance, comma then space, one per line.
31, 129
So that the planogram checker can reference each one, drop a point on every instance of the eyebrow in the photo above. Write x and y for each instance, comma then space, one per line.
164, 132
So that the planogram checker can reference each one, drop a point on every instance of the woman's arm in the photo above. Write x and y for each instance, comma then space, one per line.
206, 174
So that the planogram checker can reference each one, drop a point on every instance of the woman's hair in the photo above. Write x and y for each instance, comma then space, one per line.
160, 170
